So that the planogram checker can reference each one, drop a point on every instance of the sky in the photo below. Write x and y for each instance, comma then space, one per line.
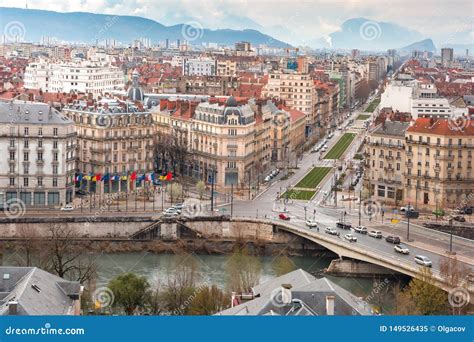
295, 21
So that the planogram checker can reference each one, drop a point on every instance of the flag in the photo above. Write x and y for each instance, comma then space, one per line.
142, 178
133, 176
152, 175
87, 177
98, 177
162, 177
94, 178
169, 176
106, 177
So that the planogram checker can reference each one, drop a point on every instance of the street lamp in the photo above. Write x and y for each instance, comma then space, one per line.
451, 236
408, 223
305, 212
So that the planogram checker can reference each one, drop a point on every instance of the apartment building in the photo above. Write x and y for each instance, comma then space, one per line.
201, 66
297, 91
114, 138
439, 157
234, 140
226, 67
86, 77
38, 144
385, 162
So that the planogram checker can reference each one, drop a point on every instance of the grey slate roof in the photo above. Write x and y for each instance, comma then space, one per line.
308, 298
21, 112
36, 291
391, 128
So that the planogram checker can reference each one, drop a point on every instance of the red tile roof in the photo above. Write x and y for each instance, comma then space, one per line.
460, 127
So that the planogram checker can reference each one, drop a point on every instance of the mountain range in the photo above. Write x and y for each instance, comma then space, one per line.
90, 27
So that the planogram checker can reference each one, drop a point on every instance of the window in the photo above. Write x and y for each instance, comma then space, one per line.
40, 131
39, 181
12, 181
55, 156
25, 181
26, 130
26, 156
55, 169
26, 143
55, 144
55, 131
55, 182
12, 155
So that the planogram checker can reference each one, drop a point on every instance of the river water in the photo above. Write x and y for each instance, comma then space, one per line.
212, 270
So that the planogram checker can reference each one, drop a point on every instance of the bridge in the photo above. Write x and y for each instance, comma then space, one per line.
367, 249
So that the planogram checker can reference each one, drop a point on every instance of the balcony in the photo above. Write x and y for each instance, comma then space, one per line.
444, 157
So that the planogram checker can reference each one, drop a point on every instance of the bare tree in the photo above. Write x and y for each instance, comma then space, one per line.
243, 271
67, 257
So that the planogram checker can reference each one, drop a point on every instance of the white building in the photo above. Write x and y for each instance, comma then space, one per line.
85, 77
200, 67
38, 145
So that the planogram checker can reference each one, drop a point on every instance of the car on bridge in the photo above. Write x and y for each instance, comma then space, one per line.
406, 208
360, 229
284, 217
331, 231
350, 238
343, 225
423, 260
67, 207
393, 239
375, 234
311, 223
402, 249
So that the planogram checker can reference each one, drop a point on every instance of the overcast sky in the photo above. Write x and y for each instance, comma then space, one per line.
293, 20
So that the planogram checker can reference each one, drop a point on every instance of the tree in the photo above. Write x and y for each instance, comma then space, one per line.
29, 244
427, 298
362, 91
283, 265
243, 271
180, 285
201, 188
175, 191
208, 301
67, 259
130, 291
455, 274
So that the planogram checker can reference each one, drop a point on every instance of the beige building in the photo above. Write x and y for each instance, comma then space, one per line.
297, 91
439, 155
226, 67
114, 138
385, 162
235, 140
428, 164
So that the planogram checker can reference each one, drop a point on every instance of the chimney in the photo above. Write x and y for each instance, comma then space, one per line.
13, 308
286, 297
330, 305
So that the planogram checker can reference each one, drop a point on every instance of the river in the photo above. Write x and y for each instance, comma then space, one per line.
212, 270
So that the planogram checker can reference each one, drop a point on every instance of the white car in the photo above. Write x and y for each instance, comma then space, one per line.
267, 178
350, 238
402, 249
375, 234
311, 223
360, 230
331, 231
423, 260
67, 207
405, 208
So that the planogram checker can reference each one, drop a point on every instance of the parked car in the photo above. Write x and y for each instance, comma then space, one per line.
178, 206
360, 230
459, 218
331, 231
375, 234
406, 208
393, 239
311, 223
267, 179
283, 216
402, 249
350, 238
67, 207
423, 260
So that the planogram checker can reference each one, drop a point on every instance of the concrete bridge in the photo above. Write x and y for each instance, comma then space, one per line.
367, 249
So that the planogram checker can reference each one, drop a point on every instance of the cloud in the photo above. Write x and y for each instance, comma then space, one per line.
300, 21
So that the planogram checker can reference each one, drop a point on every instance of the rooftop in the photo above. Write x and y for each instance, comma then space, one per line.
25, 112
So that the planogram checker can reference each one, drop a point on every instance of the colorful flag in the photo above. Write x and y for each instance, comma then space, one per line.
133, 176
169, 176
106, 177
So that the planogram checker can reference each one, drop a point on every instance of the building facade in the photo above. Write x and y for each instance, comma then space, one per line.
38, 144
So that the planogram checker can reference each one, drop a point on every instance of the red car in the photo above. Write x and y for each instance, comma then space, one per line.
283, 216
